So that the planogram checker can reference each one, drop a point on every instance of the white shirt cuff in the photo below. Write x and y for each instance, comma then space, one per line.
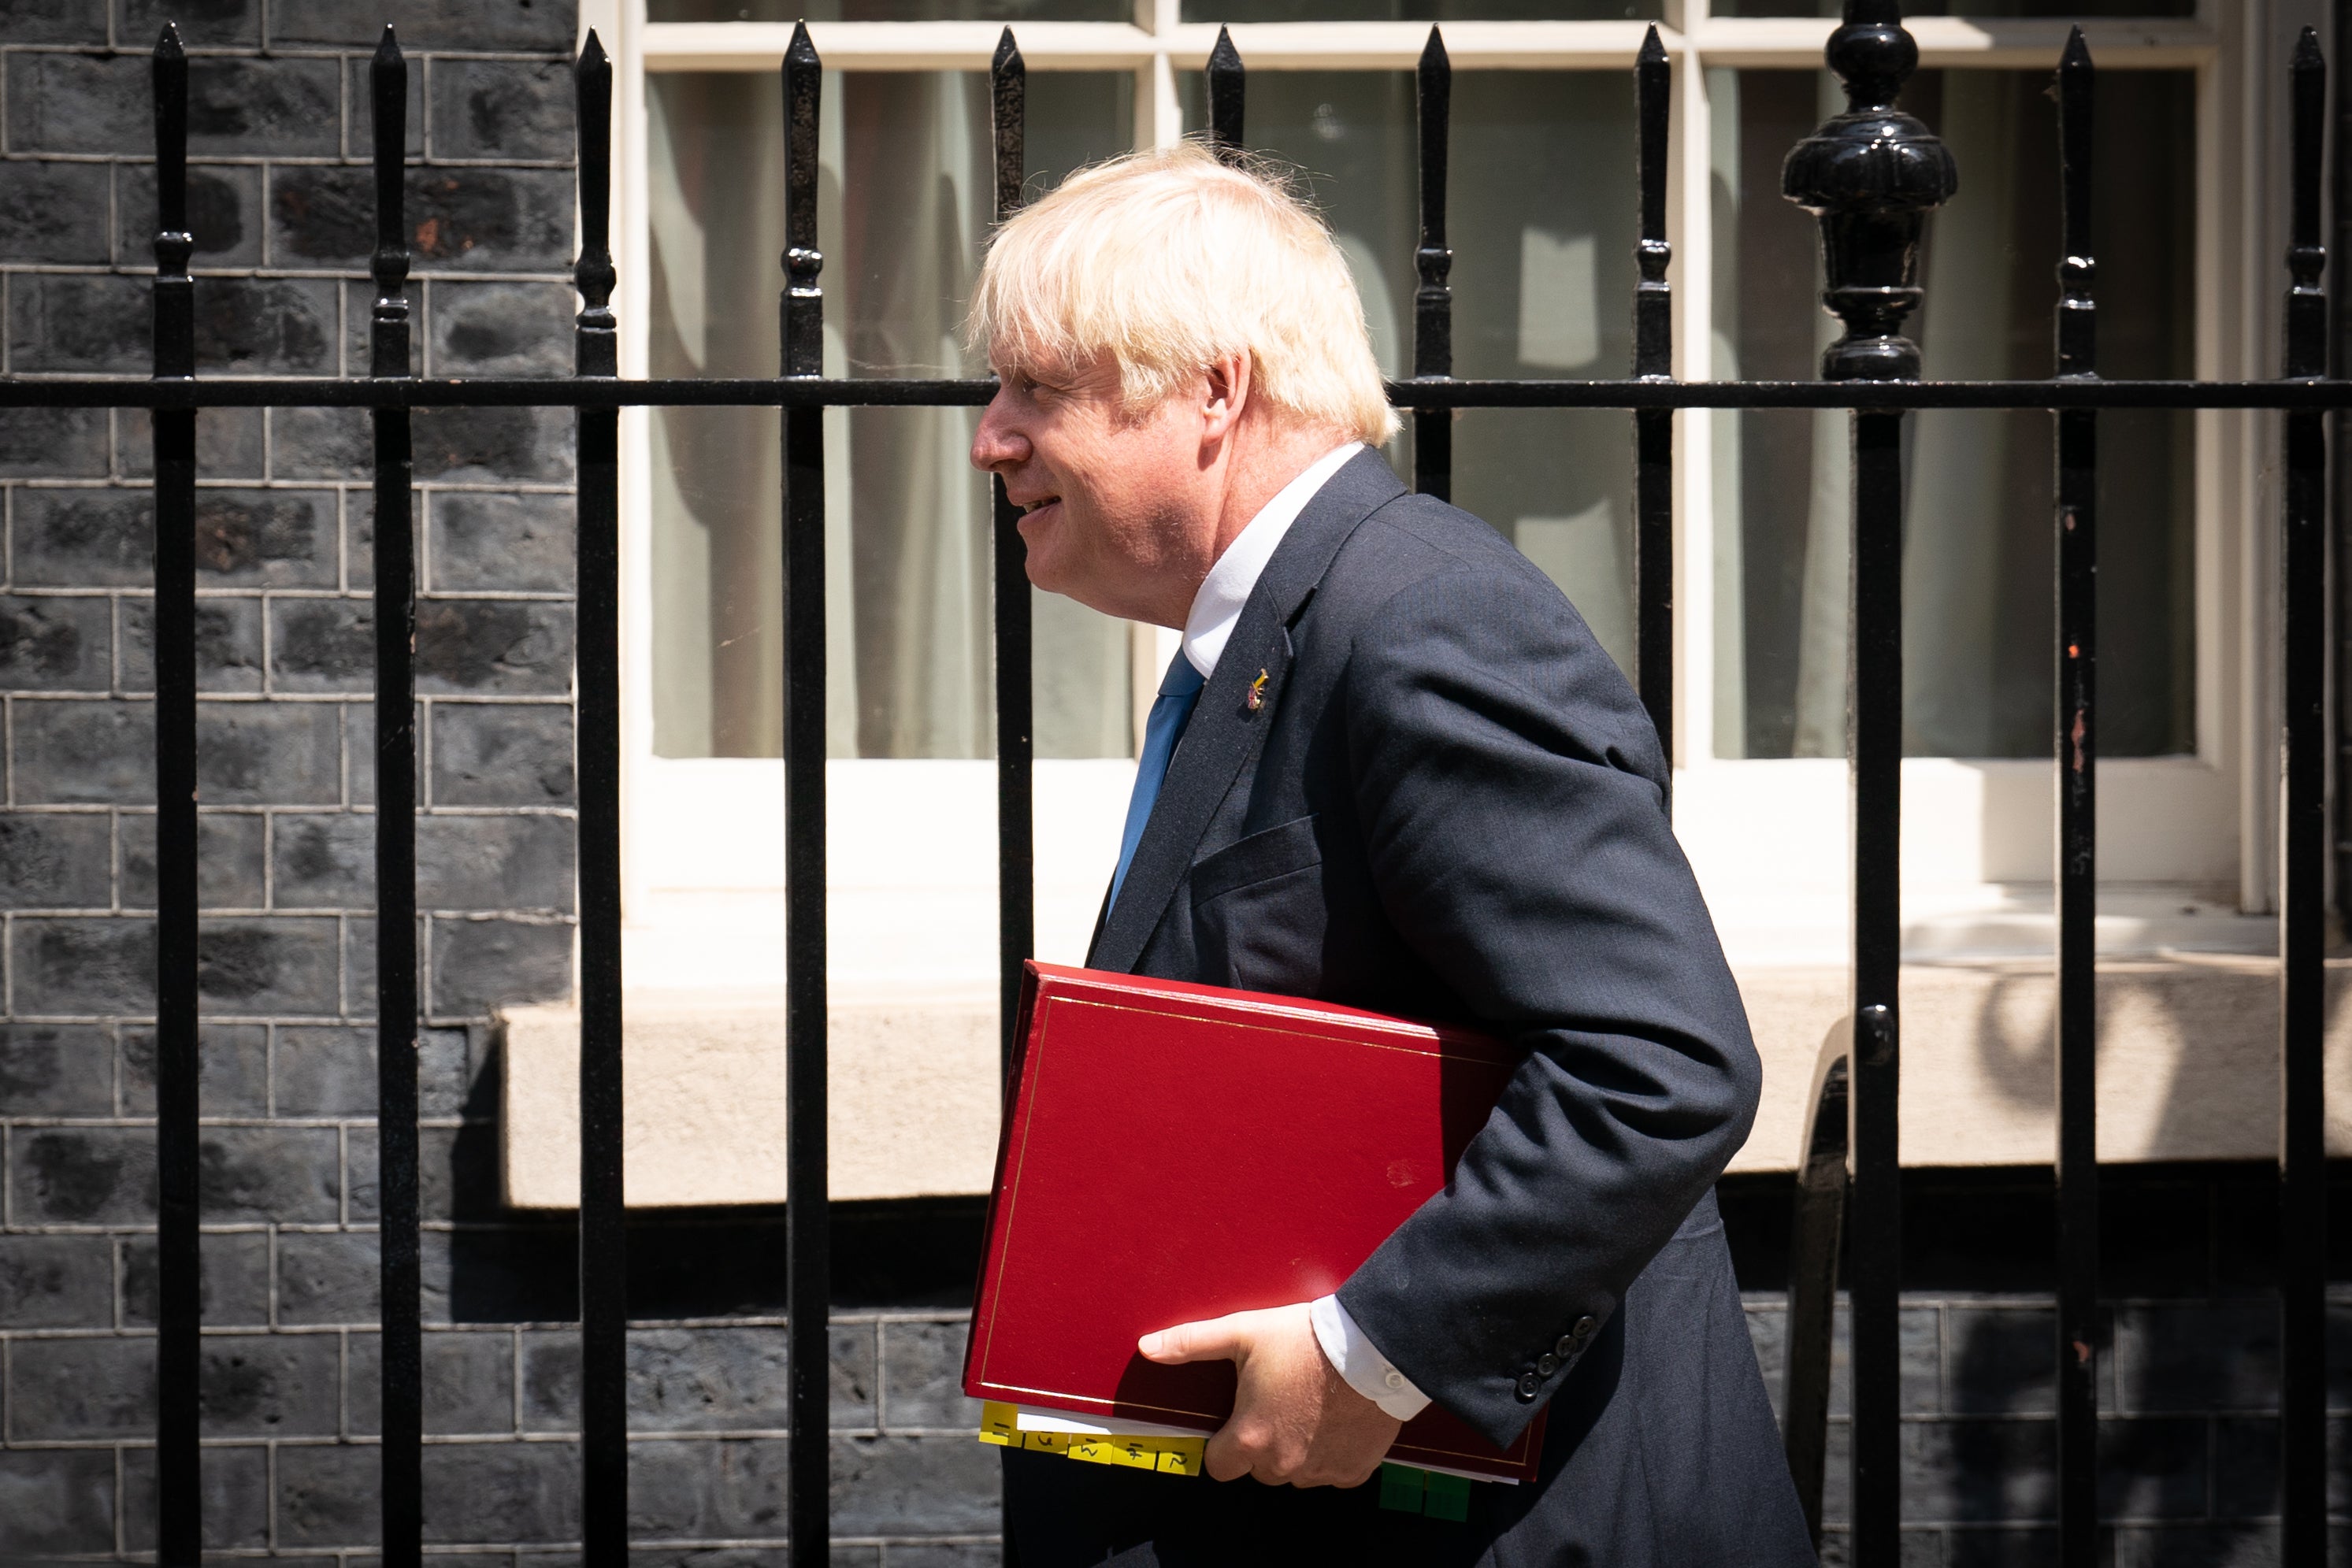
1359, 1362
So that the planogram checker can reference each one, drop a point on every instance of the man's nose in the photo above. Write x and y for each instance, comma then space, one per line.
997, 445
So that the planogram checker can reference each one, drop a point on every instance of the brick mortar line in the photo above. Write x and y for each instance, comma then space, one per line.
240, 809
266, 50
273, 274
529, 913
304, 593
141, 483
259, 699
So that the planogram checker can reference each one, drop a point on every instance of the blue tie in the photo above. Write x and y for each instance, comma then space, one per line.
1180, 688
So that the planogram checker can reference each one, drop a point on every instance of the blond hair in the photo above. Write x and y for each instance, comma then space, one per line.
1168, 260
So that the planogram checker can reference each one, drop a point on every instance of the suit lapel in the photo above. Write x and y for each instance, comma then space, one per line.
1226, 730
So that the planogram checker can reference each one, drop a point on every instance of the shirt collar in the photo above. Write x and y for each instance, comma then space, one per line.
1218, 604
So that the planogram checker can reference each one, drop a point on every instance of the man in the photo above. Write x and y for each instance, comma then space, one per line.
1390, 767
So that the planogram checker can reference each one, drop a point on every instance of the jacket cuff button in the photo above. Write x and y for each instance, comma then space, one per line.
1567, 1346
1529, 1386
1585, 1328
1547, 1364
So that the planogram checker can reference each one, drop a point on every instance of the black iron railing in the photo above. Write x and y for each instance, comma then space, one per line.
1871, 173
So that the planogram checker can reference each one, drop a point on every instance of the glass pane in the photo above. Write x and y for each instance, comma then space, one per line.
2064, 10
903, 208
1542, 223
1978, 553
1418, 11
891, 11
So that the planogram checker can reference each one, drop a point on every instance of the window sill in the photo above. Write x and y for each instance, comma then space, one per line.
2188, 1063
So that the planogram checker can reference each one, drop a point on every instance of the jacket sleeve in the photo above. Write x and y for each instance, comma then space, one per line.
1508, 788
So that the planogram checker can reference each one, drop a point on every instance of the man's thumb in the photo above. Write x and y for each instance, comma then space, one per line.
1210, 1341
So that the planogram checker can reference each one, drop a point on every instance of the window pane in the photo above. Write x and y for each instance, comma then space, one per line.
890, 11
1978, 552
2064, 10
1418, 11
1542, 219
903, 208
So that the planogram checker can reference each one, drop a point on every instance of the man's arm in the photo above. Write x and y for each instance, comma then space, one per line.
1507, 786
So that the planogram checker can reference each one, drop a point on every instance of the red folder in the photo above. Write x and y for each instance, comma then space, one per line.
1175, 1152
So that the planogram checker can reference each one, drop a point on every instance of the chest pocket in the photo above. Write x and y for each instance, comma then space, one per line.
1258, 912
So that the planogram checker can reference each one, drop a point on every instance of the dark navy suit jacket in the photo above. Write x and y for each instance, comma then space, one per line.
1449, 804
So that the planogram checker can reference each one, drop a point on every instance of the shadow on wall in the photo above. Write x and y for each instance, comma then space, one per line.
505, 1265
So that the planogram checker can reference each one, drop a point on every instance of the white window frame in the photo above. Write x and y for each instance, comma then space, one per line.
913, 843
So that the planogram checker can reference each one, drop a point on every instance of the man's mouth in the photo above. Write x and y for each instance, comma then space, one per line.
1038, 505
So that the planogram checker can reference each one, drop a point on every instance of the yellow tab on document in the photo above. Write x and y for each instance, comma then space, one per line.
1000, 1424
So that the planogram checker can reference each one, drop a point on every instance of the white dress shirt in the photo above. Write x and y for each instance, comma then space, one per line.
1207, 629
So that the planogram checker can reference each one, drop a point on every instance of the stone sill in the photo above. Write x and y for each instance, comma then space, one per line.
2188, 1071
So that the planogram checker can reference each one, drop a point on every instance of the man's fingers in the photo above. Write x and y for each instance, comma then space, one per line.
1223, 1458
1217, 1339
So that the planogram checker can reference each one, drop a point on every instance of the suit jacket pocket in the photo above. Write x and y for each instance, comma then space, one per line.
1258, 919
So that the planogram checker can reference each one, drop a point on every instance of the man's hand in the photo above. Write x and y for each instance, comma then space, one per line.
1296, 1421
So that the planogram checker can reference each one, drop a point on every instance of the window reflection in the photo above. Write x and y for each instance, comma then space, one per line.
1978, 553
2062, 10
888, 11
903, 209
1421, 11
1540, 214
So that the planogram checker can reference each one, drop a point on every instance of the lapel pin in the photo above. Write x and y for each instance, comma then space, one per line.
1256, 697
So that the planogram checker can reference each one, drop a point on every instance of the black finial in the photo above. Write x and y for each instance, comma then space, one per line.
1433, 334
1871, 175
174, 304
1225, 87
1008, 102
2077, 271
803, 301
388, 99
595, 341
2306, 255
172, 246
1653, 300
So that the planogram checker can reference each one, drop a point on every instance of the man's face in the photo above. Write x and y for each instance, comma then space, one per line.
1113, 512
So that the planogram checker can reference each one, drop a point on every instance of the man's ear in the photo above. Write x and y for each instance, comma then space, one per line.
1228, 395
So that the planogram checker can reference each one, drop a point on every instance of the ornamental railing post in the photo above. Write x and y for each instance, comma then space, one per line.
1871, 175
1432, 299
603, 1239
395, 831
2075, 747
179, 1295
1653, 428
808, 1234
1016, 894
2303, 853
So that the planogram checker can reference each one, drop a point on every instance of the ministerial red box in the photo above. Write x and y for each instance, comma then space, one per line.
1174, 1152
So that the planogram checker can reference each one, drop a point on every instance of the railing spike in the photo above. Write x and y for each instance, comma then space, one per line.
1227, 86
1433, 299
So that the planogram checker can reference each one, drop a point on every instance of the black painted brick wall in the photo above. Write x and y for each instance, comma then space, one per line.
282, 210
